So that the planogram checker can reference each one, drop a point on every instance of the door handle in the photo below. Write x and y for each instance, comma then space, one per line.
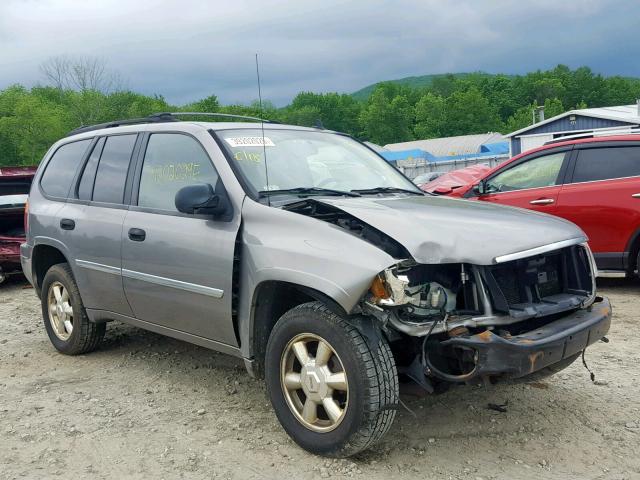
542, 201
137, 234
67, 224
635, 195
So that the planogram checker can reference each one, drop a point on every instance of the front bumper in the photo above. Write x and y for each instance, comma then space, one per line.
520, 355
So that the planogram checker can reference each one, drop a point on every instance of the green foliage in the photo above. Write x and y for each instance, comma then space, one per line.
336, 111
385, 121
430, 116
388, 112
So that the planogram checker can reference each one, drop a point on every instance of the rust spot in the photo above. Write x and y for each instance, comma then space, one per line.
533, 358
458, 331
485, 336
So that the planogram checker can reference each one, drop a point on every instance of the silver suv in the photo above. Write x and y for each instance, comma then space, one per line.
304, 253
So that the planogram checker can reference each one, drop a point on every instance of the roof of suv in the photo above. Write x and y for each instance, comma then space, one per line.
176, 126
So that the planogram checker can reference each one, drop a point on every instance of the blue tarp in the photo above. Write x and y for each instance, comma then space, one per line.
497, 149
406, 154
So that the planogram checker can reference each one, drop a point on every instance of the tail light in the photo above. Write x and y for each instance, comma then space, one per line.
26, 218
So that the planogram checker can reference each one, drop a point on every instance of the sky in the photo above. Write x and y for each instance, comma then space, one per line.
187, 49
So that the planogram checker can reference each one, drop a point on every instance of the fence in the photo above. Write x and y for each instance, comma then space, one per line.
413, 168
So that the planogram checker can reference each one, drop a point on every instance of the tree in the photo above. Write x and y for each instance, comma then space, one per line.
469, 112
208, 104
33, 127
385, 121
336, 111
80, 73
524, 116
430, 116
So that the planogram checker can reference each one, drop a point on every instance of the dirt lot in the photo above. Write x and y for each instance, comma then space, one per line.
145, 406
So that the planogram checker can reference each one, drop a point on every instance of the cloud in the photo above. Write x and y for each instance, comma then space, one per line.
189, 49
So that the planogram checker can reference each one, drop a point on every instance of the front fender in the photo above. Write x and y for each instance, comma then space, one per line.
279, 245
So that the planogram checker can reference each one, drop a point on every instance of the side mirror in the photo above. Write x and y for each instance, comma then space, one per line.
480, 188
202, 199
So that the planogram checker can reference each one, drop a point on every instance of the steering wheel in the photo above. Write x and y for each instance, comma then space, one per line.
328, 181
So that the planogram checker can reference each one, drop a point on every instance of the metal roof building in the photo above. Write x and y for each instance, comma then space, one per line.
449, 146
587, 120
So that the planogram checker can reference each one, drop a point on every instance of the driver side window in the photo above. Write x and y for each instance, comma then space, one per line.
172, 161
535, 173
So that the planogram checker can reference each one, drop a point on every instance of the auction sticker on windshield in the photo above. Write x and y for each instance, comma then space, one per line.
250, 142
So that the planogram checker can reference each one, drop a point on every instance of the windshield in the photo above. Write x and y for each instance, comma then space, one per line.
299, 159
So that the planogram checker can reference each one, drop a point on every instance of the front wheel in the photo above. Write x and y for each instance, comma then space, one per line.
334, 391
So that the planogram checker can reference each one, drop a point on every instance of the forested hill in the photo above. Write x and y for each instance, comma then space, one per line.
420, 81
406, 109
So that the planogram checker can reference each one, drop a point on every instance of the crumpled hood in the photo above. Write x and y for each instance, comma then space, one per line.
448, 230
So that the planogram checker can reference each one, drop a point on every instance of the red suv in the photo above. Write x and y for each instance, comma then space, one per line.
14, 189
593, 182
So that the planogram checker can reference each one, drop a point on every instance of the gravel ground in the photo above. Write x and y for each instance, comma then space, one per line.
145, 406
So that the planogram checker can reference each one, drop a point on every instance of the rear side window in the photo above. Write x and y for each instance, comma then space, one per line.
85, 188
172, 161
57, 178
607, 163
112, 169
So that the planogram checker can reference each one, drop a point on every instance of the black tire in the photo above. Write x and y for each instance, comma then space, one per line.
371, 374
85, 335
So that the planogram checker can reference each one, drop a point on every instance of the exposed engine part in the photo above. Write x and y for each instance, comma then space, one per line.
423, 300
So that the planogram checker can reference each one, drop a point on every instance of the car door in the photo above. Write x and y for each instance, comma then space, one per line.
92, 223
533, 182
177, 267
602, 196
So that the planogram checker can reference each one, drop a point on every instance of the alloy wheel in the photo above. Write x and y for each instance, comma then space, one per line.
314, 382
60, 311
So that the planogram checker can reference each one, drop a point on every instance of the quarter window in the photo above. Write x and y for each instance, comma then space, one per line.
112, 169
607, 163
172, 161
57, 178
535, 173
85, 188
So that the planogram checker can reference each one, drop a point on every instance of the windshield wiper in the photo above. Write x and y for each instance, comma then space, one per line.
308, 191
386, 190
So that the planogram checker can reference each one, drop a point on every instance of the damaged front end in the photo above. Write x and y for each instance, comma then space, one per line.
479, 323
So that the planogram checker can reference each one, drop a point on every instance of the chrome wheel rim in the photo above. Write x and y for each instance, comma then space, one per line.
314, 382
60, 311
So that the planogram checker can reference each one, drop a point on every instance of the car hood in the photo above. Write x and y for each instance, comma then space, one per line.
448, 230
456, 178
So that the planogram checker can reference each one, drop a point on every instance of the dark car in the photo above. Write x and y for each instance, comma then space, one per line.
592, 182
15, 183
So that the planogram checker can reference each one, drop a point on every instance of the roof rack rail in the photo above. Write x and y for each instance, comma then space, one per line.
161, 117
593, 134
221, 115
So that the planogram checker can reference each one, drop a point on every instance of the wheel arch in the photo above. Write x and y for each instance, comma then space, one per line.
632, 249
44, 256
271, 299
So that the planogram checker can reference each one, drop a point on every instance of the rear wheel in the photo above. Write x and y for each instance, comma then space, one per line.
334, 391
65, 318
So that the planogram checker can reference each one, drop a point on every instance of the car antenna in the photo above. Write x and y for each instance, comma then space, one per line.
264, 146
